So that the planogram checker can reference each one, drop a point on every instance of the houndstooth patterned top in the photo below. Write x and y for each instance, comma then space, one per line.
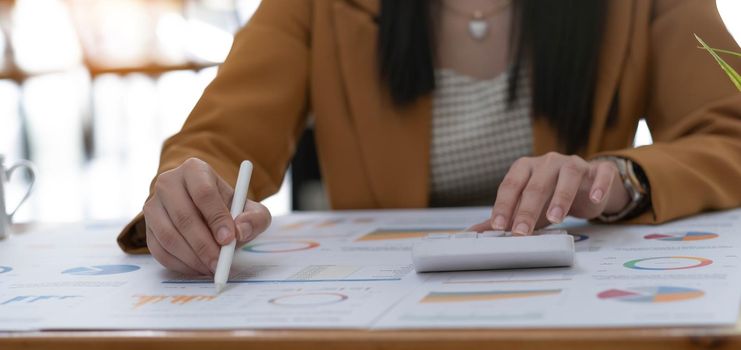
475, 137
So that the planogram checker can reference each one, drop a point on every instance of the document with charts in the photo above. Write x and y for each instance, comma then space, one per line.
353, 270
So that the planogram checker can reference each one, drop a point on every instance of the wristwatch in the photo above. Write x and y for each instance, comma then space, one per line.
636, 183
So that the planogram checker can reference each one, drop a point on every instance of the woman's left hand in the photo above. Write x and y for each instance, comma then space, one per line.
538, 191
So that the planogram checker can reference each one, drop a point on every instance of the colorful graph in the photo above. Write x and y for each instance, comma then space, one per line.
143, 300
682, 236
458, 297
308, 299
394, 234
661, 294
329, 223
280, 247
98, 270
296, 225
4, 269
29, 299
667, 263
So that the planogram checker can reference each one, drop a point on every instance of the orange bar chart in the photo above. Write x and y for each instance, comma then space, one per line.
143, 300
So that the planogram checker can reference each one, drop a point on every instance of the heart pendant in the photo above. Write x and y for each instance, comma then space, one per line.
478, 28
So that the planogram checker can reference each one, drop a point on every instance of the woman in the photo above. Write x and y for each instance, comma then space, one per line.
529, 105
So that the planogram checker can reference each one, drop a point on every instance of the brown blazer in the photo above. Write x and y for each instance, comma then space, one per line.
297, 58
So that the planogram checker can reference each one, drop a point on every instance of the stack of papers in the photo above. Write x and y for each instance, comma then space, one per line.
353, 270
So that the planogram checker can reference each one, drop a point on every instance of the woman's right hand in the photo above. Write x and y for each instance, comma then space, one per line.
188, 218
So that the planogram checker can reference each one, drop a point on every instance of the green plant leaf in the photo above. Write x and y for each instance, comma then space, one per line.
722, 51
735, 77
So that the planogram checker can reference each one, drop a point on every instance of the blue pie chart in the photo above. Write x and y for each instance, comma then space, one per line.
579, 237
98, 270
4, 269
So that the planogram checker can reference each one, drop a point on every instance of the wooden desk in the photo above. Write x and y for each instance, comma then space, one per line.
633, 339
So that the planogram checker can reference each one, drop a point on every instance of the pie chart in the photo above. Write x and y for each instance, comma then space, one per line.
579, 237
667, 263
4, 269
682, 236
661, 294
98, 270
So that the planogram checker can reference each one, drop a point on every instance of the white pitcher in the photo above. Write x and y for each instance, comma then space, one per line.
5, 173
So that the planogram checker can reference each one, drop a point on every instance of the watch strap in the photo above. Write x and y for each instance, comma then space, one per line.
636, 184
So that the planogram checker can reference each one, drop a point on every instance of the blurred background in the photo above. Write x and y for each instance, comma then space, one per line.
89, 90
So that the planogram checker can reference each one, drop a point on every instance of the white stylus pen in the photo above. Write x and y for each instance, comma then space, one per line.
238, 201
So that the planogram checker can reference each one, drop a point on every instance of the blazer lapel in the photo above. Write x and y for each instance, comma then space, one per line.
371, 6
611, 63
394, 142
611, 60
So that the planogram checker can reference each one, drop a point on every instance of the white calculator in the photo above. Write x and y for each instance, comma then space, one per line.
492, 250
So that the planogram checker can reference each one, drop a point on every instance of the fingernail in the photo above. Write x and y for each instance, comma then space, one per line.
555, 215
223, 235
499, 223
521, 229
245, 231
213, 265
597, 195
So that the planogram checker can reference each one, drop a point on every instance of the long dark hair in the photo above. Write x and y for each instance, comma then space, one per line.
559, 40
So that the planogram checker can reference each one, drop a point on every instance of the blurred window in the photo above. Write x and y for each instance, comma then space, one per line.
89, 90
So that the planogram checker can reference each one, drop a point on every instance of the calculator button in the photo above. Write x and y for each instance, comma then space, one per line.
550, 232
438, 236
487, 234
463, 235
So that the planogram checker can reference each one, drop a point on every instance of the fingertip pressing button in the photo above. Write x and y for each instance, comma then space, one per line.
487, 234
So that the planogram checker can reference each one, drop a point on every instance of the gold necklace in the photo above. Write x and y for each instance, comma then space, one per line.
478, 27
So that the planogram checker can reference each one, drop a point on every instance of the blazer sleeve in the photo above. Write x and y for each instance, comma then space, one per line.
694, 114
254, 109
